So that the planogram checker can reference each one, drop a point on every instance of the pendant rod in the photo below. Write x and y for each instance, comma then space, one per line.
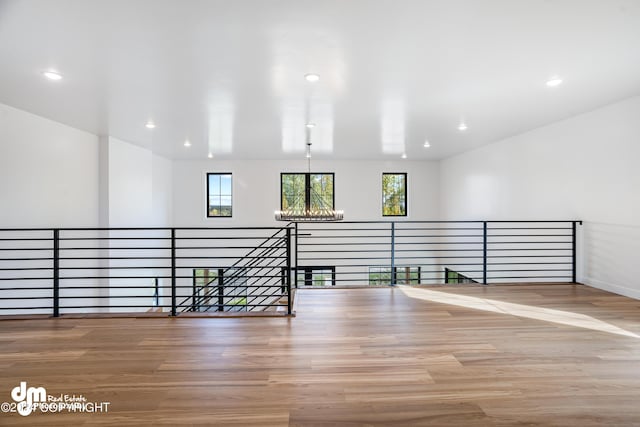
308, 140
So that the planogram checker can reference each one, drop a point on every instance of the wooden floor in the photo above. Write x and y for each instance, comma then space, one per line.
563, 355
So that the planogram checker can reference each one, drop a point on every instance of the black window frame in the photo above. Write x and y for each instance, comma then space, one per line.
307, 187
382, 269
308, 272
406, 193
413, 269
395, 273
208, 195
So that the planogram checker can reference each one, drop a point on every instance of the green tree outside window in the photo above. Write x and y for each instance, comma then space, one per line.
394, 194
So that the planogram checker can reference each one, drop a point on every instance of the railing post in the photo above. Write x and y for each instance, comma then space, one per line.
56, 272
484, 253
288, 278
393, 254
220, 289
156, 290
173, 272
573, 252
295, 264
283, 279
194, 291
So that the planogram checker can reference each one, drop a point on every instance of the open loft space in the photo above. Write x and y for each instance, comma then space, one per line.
309, 213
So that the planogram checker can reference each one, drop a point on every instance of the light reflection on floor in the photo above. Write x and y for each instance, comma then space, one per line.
521, 310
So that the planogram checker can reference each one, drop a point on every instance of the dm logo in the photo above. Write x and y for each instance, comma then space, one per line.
26, 397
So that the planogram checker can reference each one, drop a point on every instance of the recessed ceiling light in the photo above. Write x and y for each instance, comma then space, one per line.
404, 155
312, 77
311, 125
52, 75
210, 156
426, 144
554, 81
462, 127
187, 143
150, 125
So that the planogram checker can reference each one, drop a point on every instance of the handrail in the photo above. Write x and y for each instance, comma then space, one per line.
240, 271
270, 268
235, 265
520, 221
268, 251
78, 270
86, 269
431, 246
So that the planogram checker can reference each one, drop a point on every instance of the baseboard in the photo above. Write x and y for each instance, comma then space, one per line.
610, 287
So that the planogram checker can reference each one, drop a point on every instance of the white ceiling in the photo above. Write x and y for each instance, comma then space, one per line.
228, 75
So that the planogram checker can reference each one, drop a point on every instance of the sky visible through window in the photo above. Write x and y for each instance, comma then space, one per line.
220, 194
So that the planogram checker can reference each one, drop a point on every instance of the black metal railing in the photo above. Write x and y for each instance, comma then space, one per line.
124, 270
111, 270
424, 252
252, 282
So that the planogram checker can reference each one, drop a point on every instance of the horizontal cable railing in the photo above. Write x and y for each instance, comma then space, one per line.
255, 280
124, 270
243, 269
434, 252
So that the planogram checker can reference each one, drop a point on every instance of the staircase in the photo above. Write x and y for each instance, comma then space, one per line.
253, 283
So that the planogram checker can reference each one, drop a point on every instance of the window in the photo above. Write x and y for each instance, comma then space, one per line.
408, 275
316, 276
379, 275
404, 275
394, 194
219, 195
306, 191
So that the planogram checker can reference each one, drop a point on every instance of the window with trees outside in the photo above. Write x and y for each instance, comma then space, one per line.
316, 276
306, 191
219, 195
404, 275
394, 194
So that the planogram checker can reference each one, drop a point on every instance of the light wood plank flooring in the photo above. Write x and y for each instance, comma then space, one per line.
562, 355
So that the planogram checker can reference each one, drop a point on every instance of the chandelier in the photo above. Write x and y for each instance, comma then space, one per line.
309, 215
320, 211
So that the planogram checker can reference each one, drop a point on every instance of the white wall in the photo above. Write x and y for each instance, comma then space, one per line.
161, 192
585, 167
48, 173
48, 178
130, 184
136, 192
137, 185
52, 175
256, 189
256, 194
